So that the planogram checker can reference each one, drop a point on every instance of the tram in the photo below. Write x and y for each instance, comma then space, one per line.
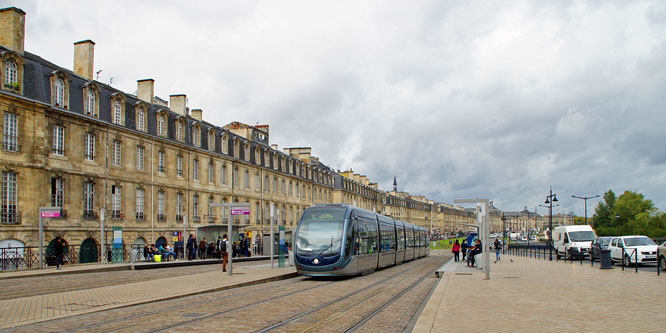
342, 240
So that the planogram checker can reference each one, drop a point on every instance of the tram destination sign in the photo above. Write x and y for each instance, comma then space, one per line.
240, 210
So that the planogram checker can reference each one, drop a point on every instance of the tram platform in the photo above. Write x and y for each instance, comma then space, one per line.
55, 305
530, 295
108, 267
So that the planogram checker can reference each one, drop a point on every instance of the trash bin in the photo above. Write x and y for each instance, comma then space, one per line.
133, 255
605, 259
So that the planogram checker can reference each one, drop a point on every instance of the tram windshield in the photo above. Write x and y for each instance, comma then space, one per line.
320, 231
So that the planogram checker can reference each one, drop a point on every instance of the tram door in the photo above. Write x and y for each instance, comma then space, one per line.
367, 240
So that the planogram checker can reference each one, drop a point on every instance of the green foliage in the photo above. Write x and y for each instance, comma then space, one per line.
629, 214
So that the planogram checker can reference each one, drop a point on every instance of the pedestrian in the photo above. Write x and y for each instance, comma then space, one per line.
463, 248
218, 252
222, 246
191, 247
59, 250
202, 249
498, 249
456, 250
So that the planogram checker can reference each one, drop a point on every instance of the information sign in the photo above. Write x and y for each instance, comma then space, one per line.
240, 210
50, 213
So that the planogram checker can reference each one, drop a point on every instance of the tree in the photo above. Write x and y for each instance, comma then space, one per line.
630, 214
604, 214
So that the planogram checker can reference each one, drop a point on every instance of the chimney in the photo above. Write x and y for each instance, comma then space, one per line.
12, 28
196, 114
274, 146
178, 104
146, 90
84, 58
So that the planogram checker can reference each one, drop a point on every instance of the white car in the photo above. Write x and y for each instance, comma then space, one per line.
633, 247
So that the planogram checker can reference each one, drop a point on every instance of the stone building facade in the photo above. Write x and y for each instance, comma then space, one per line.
149, 166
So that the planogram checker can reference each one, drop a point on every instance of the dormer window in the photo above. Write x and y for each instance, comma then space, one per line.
224, 143
195, 136
12, 71
117, 111
59, 92
179, 131
90, 103
246, 154
160, 126
211, 140
141, 120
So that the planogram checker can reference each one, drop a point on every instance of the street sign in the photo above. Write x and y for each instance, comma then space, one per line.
240, 210
50, 212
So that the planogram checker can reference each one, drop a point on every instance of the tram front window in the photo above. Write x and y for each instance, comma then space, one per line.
320, 231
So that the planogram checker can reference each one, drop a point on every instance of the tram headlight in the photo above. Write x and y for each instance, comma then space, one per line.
315, 261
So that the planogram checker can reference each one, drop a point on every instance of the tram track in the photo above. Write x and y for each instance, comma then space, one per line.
298, 304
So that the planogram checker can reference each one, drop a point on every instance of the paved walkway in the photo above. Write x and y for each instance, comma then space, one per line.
530, 295
26, 310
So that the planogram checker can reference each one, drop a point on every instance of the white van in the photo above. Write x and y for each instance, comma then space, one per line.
576, 240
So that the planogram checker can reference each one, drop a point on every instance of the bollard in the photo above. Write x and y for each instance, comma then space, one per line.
636, 253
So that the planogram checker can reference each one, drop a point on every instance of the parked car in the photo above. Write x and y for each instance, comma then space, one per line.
601, 243
573, 240
662, 256
633, 247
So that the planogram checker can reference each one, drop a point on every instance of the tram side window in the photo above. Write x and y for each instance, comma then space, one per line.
352, 244
401, 239
371, 232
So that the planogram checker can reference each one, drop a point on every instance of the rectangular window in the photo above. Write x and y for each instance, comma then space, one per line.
179, 132
211, 217
57, 192
275, 185
9, 198
291, 189
257, 182
58, 140
116, 202
140, 150
235, 178
223, 142
160, 206
179, 206
195, 169
297, 188
139, 204
179, 166
88, 199
266, 184
10, 141
282, 187
247, 180
160, 162
195, 208
211, 173
116, 153
90, 147
224, 174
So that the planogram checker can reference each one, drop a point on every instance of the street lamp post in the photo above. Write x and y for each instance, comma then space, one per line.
550, 198
585, 198
503, 232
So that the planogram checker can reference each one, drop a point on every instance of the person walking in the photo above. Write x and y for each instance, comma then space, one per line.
202, 249
191, 247
222, 246
456, 250
59, 250
498, 249
463, 248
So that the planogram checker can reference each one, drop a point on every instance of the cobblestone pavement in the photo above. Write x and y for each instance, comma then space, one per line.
530, 295
260, 306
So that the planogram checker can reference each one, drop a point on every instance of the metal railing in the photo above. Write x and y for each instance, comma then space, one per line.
11, 217
541, 251
27, 257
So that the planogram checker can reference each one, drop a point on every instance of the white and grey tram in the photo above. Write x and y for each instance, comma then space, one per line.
335, 240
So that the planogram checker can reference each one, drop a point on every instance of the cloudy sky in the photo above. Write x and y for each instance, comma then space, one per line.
458, 99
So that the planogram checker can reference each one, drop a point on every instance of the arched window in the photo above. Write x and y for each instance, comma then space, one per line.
59, 92
117, 111
11, 73
90, 103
